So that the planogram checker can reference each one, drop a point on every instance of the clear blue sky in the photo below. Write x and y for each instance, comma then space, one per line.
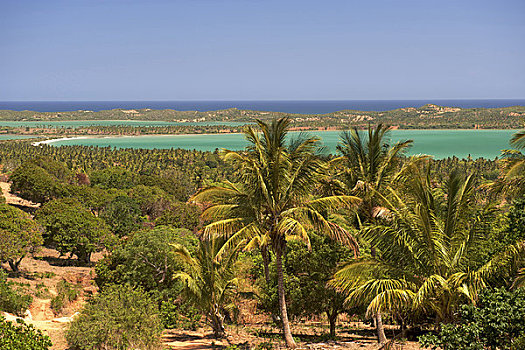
261, 49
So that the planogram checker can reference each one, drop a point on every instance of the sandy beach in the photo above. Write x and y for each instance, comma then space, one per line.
47, 142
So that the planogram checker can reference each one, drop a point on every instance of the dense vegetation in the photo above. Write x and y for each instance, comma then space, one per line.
429, 245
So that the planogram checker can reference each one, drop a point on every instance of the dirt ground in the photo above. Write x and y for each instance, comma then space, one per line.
41, 273
358, 336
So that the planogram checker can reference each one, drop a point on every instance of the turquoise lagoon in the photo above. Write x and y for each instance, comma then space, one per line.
438, 143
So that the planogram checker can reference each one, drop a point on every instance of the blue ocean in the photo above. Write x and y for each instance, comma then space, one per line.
304, 107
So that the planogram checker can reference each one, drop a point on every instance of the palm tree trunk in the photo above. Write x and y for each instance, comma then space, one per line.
217, 325
381, 337
290, 342
266, 266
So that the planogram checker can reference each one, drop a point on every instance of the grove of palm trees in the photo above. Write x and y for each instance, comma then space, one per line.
278, 236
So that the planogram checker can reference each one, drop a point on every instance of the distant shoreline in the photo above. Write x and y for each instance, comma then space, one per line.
153, 121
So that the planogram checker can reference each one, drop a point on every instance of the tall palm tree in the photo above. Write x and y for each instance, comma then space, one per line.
368, 168
513, 182
208, 283
273, 201
422, 266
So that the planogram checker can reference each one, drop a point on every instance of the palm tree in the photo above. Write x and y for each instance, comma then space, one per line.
208, 283
519, 282
513, 182
369, 168
422, 266
273, 201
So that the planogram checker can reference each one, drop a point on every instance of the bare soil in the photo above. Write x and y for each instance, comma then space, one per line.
47, 268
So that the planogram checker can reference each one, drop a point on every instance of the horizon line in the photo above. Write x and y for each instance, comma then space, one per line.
277, 100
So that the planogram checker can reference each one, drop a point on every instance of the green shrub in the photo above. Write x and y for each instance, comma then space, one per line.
146, 260
72, 229
66, 293
20, 336
182, 215
497, 322
178, 314
19, 235
454, 337
122, 214
12, 300
119, 318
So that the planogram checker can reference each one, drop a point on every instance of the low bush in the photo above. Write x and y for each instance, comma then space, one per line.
119, 318
179, 314
20, 336
496, 322
66, 293
12, 300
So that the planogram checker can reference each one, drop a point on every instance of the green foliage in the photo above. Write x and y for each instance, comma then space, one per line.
146, 259
20, 336
180, 215
157, 164
516, 229
115, 177
273, 202
122, 215
153, 201
209, 283
173, 182
454, 337
57, 169
179, 314
119, 318
429, 234
12, 300
19, 235
66, 293
496, 322
33, 183
93, 198
71, 228
307, 274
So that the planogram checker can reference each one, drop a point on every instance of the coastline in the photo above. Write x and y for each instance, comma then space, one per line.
47, 142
